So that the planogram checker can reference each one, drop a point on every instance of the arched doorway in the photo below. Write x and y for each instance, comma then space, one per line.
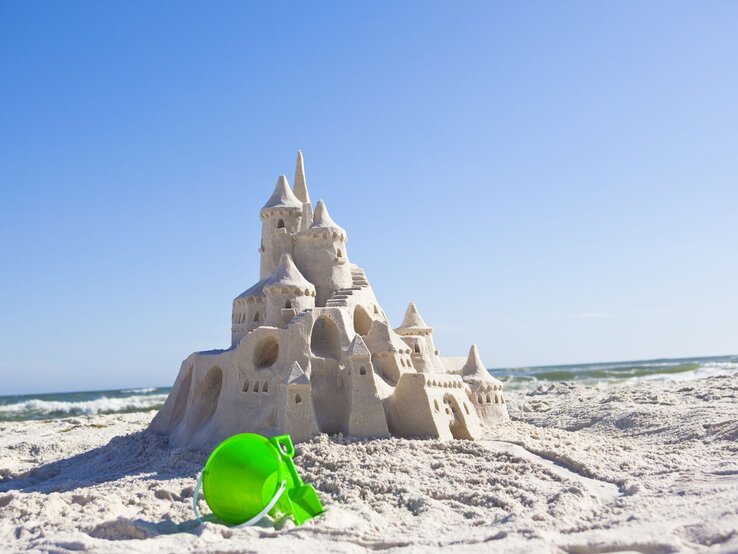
456, 424
325, 340
207, 394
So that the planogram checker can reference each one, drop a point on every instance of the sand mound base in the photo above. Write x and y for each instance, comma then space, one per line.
648, 468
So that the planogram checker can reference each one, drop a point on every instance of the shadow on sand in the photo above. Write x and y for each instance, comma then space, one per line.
143, 454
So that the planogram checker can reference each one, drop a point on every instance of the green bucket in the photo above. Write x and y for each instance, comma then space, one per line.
248, 476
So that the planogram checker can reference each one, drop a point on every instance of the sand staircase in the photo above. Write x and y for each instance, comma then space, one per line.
341, 296
299, 316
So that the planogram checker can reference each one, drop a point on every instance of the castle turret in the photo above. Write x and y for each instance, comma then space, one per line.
287, 293
418, 335
280, 219
296, 416
365, 412
320, 253
485, 391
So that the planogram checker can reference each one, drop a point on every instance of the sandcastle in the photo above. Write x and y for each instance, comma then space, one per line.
312, 351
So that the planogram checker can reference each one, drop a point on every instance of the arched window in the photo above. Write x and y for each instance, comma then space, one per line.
417, 348
480, 399
246, 386
339, 254
265, 387
489, 400
298, 398
256, 386
288, 304
280, 224
362, 370
256, 317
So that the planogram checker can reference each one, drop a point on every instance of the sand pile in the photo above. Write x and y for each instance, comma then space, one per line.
651, 467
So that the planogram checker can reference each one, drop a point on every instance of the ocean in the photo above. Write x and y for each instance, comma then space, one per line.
68, 404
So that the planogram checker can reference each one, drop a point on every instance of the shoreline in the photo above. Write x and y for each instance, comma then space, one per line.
647, 467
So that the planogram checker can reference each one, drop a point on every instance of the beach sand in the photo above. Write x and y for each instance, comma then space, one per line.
649, 467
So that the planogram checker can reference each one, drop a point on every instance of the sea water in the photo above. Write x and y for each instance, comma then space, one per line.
50, 406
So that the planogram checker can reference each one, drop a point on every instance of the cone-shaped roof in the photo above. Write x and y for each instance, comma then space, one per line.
282, 197
296, 376
286, 273
412, 322
357, 347
301, 190
474, 369
321, 218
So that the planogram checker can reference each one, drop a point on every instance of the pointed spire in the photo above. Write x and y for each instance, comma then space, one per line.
357, 347
322, 218
412, 321
474, 368
282, 197
301, 190
296, 376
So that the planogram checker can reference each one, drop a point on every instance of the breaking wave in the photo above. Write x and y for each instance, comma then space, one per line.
51, 406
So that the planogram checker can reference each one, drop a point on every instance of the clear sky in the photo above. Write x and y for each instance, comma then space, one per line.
554, 181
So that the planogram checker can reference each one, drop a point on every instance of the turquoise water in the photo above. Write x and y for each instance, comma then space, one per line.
50, 406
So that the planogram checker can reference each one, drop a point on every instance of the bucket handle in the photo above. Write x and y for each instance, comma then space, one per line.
253, 520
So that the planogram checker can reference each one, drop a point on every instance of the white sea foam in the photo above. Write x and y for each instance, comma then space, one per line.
84, 407
708, 369
139, 391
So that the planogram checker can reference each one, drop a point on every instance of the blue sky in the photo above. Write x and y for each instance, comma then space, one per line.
554, 181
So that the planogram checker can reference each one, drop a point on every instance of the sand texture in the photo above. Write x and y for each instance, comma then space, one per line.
649, 467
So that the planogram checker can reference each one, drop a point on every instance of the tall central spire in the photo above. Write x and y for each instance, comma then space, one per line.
300, 185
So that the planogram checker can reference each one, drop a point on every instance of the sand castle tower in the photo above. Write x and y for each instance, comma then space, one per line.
312, 351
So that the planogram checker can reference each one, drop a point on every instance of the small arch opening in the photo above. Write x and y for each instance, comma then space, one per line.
266, 352
246, 386
256, 386
298, 398
417, 348
288, 304
265, 387
489, 400
362, 321
339, 253
362, 370
280, 224
256, 317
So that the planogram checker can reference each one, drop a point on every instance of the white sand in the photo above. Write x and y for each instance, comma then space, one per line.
649, 468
